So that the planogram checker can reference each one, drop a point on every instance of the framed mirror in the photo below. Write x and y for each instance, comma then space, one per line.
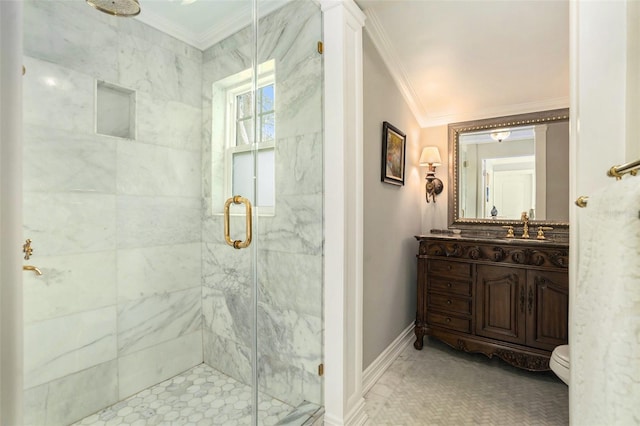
502, 167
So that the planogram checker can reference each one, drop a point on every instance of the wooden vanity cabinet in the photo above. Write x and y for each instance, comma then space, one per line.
510, 300
501, 303
524, 307
548, 314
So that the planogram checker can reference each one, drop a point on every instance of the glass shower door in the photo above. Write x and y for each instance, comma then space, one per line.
229, 211
289, 227
263, 300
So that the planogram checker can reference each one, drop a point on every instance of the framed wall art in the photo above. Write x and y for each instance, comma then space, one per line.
394, 144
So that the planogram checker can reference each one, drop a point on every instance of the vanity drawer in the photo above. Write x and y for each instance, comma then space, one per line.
449, 269
462, 288
451, 322
451, 304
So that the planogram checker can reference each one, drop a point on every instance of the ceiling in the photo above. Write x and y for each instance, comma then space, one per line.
465, 60
202, 23
452, 60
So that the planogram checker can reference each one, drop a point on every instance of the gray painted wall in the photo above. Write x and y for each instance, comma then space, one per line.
392, 214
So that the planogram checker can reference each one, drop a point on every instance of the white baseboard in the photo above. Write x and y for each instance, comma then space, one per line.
377, 368
356, 417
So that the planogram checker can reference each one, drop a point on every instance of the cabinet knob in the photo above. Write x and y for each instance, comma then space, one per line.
447, 320
448, 302
448, 285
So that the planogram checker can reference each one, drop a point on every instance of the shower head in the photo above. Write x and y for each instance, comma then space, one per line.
117, 7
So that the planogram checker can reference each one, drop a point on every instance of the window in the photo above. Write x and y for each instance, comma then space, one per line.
232, 149
242, 141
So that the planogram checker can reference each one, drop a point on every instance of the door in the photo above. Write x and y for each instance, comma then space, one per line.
604, 132
500, 303
547, 309
513, 192
270, 334
289, 225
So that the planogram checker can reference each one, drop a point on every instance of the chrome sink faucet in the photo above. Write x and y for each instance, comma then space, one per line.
525, 221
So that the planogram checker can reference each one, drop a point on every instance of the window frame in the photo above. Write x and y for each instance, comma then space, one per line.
232, 92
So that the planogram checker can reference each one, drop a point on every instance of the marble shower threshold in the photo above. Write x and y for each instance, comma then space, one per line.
201, 396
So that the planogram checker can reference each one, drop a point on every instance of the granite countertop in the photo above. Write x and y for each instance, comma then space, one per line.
484, 237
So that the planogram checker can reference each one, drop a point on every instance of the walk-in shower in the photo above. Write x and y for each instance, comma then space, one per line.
136, 133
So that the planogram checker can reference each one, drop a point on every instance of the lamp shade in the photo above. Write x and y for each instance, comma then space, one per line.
430, 155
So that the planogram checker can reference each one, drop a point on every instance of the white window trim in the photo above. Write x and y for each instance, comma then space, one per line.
237, 84
230, 146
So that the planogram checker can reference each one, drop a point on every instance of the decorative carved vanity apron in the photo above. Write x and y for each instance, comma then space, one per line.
505, 298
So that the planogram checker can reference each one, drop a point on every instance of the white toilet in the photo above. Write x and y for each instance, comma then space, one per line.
559, 362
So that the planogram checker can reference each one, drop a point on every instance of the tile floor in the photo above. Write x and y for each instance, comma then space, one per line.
441, 386
435, 386
200, 396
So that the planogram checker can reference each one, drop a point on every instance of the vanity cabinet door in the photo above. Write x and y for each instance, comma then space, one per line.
547, 309
500, 303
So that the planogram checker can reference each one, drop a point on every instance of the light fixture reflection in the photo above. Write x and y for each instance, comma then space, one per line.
500, 135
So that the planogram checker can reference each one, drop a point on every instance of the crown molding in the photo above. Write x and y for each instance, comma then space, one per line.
394, 65
241, 18
349, 5
502, 111
168, 27
234, 23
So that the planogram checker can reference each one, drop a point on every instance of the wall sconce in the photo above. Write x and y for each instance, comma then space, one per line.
431, 158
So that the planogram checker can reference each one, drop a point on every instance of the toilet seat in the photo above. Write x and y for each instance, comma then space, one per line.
561, 354
559, 362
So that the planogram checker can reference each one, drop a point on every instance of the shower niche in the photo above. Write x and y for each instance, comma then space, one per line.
115, 110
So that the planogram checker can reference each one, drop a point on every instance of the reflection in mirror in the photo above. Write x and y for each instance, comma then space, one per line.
509, 165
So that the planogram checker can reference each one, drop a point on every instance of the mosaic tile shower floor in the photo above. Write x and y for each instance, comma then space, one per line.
200, 396
441, 386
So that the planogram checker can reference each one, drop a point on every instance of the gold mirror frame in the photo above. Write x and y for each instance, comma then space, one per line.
454, 131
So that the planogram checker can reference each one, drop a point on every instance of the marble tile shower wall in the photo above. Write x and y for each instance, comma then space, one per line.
115, 222
289, 242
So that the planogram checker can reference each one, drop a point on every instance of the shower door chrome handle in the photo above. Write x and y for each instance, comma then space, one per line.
237, 244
